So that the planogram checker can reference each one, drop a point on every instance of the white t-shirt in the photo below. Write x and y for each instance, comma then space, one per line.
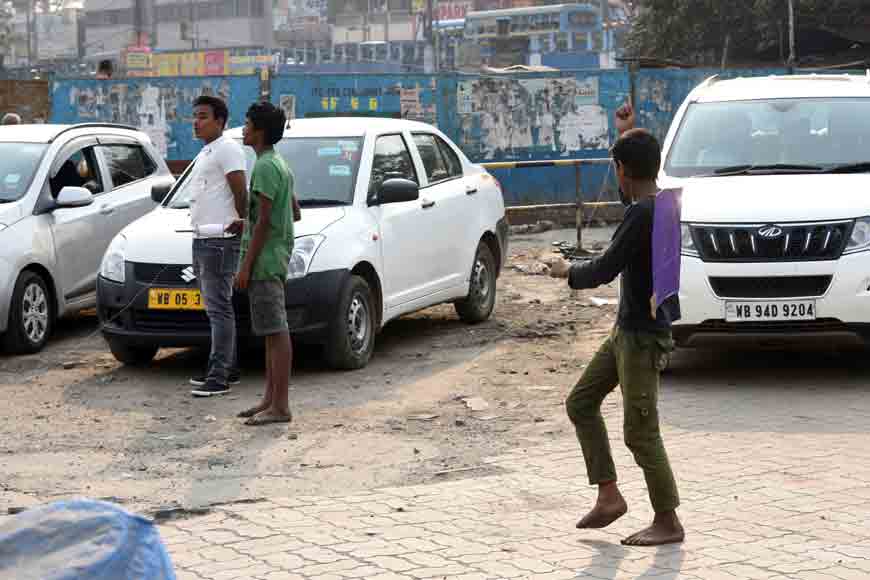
212, 201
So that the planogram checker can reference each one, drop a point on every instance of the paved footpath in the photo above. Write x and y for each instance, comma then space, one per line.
761, 500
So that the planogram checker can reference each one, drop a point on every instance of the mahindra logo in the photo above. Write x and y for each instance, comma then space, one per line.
770, 232
187, 274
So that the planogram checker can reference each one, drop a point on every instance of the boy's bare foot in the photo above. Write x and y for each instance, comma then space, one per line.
665, 529
268, 417
248, 413
609, 507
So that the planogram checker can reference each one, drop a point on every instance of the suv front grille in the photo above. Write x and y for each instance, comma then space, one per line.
794, 242
772, 287
165, 274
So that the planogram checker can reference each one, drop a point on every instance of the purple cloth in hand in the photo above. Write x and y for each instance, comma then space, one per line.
666, 241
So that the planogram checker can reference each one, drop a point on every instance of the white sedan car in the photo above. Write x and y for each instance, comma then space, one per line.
395, 219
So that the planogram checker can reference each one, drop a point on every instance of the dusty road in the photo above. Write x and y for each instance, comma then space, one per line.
75, 422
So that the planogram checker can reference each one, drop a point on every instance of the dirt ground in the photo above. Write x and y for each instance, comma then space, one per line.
438, 399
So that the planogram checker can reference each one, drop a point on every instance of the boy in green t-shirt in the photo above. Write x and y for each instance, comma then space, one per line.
266, 246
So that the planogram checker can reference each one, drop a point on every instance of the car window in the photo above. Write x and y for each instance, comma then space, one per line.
128, 163
18, 165
78, 170
436, 170
808, 131
392, 160
454, 166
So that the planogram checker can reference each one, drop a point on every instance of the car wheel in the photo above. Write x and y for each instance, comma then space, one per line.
31, 316
132, 355
477, 307
352, 332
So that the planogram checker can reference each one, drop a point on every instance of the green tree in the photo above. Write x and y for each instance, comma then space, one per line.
689, 30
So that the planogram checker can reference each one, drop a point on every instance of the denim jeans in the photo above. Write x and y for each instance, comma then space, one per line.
215, 263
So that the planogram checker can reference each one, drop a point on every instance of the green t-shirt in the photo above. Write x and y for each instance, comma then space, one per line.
272, 179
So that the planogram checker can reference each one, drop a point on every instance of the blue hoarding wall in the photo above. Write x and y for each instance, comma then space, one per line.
492, 117
399, 96
162, 107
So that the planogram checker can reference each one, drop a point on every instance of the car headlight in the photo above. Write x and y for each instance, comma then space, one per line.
112, 267
304, 249
687, 243
860, 239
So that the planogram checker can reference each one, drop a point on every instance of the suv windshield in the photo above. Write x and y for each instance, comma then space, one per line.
771, 136
324, 170
18, 165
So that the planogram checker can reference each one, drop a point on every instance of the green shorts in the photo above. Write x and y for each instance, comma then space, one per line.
268, 307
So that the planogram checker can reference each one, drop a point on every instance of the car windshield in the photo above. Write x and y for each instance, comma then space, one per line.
324, 170
18, 165
771, 136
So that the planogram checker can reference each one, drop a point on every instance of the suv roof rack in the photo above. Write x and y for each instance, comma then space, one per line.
711, 80
94, 125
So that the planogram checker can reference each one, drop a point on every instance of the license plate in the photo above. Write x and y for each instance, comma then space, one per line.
166, 299
780, 311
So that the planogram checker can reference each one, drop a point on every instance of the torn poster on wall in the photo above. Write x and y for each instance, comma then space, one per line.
414, 105
508, 118
157, 110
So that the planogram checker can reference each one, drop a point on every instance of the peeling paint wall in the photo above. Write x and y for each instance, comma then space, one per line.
509, 118
162, 108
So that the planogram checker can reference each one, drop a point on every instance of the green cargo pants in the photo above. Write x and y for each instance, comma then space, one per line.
633, 360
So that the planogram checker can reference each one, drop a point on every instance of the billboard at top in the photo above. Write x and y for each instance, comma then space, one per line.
297, 14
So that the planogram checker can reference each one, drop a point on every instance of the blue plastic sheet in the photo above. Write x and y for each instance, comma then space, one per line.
82, 540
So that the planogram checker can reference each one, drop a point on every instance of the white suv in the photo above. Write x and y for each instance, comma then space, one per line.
775, 174
394, 219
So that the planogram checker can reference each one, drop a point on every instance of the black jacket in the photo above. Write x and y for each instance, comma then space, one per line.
630, 254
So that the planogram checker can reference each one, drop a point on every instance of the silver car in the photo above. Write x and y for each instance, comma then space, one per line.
65, 192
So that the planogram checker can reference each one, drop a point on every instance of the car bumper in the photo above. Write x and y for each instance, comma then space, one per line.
842, 309
124, 314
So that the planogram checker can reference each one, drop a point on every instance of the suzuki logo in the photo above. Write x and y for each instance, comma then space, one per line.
187, 274
770, 232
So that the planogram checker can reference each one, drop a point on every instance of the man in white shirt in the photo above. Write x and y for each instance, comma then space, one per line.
217, 206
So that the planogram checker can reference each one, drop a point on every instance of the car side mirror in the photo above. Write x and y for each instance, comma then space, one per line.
160, 190
74, 197
398, 190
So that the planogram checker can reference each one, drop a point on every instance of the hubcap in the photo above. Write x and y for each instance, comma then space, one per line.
34, 309
358, 324
480, 283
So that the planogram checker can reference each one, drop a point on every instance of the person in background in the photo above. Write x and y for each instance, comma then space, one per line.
218, 203
11, 119
636, 351
266, 247
105, 70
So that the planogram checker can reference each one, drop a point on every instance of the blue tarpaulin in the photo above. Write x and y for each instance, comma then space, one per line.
82, 540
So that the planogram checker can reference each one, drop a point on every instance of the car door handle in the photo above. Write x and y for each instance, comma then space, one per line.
427, 204
107, 209
470, 190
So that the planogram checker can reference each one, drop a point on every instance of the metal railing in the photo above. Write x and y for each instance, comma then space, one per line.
578, 183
